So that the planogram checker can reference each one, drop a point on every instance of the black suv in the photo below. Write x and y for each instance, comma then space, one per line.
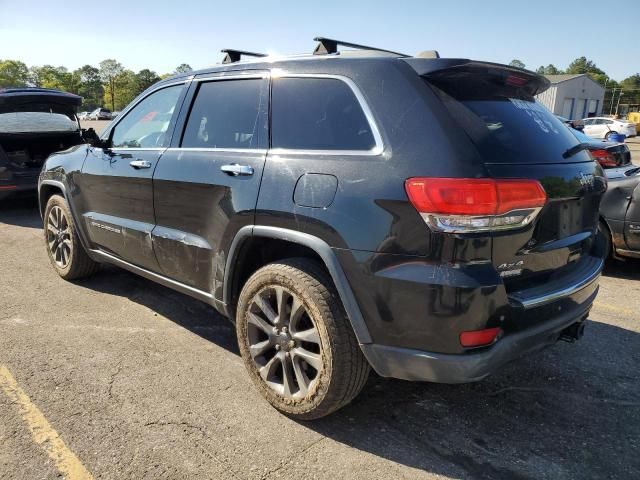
421, 216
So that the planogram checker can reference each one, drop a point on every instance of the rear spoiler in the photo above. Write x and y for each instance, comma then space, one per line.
19, 99
507, 78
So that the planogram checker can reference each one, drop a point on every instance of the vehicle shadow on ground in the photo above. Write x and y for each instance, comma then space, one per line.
628, 269
571, 411
194, 315
22, 212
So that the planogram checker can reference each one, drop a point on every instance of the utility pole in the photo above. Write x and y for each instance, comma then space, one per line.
613, 94
618, 104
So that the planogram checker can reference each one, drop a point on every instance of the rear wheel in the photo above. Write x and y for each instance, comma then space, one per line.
296, 341
608, 135
66, 254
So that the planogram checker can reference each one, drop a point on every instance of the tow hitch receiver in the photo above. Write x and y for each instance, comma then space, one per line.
573, 332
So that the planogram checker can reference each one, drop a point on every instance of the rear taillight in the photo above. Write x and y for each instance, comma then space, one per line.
479, 338
604, 158
463, 205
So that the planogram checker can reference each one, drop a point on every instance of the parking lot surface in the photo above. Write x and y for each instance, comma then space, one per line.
121, 378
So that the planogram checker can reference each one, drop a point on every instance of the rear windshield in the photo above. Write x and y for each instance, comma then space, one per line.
509, 130
36, 122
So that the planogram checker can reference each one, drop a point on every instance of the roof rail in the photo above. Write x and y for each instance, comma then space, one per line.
233, 56
329, 45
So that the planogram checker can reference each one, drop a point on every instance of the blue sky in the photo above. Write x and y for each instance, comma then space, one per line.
162, 34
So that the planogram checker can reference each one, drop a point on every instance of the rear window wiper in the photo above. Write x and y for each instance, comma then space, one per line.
575, 149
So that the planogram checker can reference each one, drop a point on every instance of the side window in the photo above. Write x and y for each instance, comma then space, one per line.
317, 114
227, 114
146, 124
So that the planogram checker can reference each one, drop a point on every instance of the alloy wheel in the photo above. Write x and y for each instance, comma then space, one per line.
284, 342
59, 237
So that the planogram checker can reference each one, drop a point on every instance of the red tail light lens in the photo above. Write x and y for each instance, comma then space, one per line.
479, 338
475, 204
604, 158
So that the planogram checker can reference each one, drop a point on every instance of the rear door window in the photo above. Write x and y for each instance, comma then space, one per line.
318, 114
508, 130
228, 114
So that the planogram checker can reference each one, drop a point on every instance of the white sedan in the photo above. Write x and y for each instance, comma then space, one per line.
602, 127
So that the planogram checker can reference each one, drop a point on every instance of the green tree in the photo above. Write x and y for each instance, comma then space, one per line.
183, 68
110, 69
125, 89
517, 63
548, 70
631, 88
90, 86
49, 76
583, 65
146, 78
13, 73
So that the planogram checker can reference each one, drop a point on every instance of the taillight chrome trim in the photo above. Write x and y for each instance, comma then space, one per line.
435, 221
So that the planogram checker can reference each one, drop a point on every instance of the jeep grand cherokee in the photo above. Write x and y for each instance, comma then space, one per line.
421, 216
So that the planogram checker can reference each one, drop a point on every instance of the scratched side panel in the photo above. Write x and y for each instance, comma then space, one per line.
199, 209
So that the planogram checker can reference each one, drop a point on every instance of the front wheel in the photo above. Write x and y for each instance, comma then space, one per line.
66, 253
296, 341
608, 135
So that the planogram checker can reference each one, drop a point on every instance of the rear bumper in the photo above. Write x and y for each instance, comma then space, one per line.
11, 183
417, 365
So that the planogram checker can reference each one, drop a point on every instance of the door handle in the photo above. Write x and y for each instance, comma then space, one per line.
138, 164
236, 170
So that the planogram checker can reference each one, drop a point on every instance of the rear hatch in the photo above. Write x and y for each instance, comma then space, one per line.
34, 123
519, 138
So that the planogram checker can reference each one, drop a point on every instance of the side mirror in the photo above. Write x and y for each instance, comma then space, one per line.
91, 137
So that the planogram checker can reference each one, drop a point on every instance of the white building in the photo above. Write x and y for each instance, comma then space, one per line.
573, 96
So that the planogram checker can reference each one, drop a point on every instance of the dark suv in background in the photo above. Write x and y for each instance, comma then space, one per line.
421, 216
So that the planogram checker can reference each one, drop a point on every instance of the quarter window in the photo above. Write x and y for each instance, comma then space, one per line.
146, 124
318, 114
227, 114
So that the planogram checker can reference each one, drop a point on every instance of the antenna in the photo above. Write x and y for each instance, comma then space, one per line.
232, 56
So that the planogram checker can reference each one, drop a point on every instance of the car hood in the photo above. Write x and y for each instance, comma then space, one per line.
38, 100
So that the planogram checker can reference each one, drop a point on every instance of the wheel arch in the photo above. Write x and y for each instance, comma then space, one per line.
46, 189
301, 244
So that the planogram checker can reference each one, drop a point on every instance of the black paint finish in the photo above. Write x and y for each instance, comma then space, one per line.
403, 285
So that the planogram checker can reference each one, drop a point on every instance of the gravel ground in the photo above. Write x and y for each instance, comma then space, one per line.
141, 382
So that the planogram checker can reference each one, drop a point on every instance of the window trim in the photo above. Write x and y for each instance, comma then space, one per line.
377, 138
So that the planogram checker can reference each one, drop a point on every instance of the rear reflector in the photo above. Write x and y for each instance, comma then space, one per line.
475, 204
7, 187
479, 338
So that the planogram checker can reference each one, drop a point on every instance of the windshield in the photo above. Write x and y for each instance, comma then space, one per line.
36, 122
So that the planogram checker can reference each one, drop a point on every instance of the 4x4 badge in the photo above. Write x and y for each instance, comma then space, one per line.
586, 180
510, 269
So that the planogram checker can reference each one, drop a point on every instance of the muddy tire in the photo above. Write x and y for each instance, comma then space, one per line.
66, 253
296, 341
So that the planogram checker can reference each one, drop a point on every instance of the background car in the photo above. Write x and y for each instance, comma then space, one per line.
620, 213
608, 154
83, 116
601, 127
115, 114
34, 122
100, 114
575, 124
